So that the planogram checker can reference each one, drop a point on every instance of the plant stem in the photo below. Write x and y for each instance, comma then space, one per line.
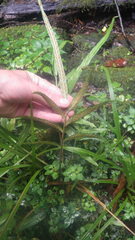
122, 28
62, 134
56, 52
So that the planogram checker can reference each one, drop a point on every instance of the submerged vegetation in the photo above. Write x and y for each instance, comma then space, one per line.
71, 181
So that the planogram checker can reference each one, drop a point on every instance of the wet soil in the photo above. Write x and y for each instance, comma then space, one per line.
118, 54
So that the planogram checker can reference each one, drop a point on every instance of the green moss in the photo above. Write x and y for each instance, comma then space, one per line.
97, 77
83, 44
77, 3
91, 3
93, 72
86, 42
124, 75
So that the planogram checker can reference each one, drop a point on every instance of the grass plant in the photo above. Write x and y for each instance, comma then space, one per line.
46, 170
58, 61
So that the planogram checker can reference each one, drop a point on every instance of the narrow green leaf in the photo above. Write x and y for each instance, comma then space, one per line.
82, 114
104, 181
74, 75
109, 222
24, 134
6, 169
97, 222
9, 155
42, 143
13, 212
78, 96
3, 218
48, 123
32, 219
85, 122
85, 154
80, 151
48, 150
80, 136
90, 160
114, 107
56, 51
9, 136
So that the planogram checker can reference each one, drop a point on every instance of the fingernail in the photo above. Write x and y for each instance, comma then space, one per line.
64, 101
71, 113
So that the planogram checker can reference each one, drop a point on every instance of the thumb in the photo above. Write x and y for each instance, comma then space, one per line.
39, 84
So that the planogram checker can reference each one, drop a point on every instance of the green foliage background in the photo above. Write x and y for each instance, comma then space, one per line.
28, 47
41, 169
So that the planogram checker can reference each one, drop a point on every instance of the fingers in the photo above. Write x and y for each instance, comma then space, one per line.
58, 100
41, 85
38, 111
45, 115
71, 113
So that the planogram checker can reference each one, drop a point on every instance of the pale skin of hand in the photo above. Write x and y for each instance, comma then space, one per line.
17, 95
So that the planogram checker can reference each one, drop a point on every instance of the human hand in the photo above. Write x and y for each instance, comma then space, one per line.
17, 89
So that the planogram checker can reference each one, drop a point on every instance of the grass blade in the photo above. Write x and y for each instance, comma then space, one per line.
80, 136
114, 107
74, 75
85, 154
78, 96
109, 222
56, 52
95, 225
85, 190
14, 210
48, 123
31, 219
83, 113
6, 169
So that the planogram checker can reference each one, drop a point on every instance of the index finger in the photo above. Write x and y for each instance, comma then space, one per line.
49, 89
